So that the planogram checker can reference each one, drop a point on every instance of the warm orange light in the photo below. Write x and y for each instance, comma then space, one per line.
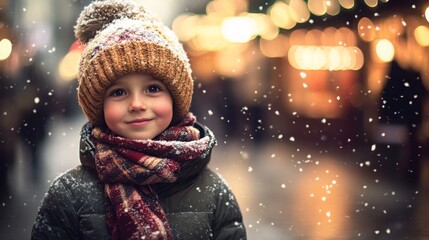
421, 34
366, 29
69, 66
323, 190
347, 4
274, 48
393, 26
357, 58
208, 34
5, 49
427, 14
230, 61
185, 26
300, 9
313, 37
297, 36
384, 50
222, 7
239, 29
336, 58
346, 37
332, 58
264, 26
326, 37
332, 7
281, 15
371, 3
317, 7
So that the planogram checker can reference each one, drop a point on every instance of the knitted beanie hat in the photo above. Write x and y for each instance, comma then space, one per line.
121, 38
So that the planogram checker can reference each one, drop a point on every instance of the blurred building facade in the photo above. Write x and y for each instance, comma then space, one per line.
278, 61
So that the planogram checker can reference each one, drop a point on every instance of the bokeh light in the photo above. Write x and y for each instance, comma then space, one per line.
366, 29
421, 34
384, 50
5, 49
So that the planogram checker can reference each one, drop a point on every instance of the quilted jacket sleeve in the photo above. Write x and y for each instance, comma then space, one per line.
56, 218
228, 220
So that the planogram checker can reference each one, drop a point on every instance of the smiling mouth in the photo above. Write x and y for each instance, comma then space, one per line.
138, 122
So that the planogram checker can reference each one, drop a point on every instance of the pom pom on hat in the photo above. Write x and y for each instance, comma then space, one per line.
97, 15
121, 38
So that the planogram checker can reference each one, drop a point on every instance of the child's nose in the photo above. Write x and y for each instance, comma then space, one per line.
137, 103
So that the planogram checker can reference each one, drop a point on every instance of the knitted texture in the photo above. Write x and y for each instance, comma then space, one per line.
130, 168
121, 38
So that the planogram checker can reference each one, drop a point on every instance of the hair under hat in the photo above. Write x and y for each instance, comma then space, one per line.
121, 37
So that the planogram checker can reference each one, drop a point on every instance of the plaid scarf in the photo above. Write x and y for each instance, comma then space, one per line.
129, 168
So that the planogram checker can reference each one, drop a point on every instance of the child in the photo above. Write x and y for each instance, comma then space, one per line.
144, 157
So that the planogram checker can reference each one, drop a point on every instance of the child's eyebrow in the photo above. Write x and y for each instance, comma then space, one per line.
113, 84
154, 80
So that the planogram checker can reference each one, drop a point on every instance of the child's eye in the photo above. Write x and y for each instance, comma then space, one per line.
117, 92
153, 89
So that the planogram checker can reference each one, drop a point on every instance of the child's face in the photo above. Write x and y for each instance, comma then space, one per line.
138, 106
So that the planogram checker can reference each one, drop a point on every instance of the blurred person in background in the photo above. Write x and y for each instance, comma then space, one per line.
37, 105
401, 108
8, 123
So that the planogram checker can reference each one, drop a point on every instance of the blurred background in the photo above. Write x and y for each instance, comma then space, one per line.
320, 108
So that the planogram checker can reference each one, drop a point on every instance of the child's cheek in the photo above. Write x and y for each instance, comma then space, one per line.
165, 109
112, 113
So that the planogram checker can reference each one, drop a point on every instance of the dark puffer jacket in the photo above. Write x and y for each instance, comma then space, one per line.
198, 206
